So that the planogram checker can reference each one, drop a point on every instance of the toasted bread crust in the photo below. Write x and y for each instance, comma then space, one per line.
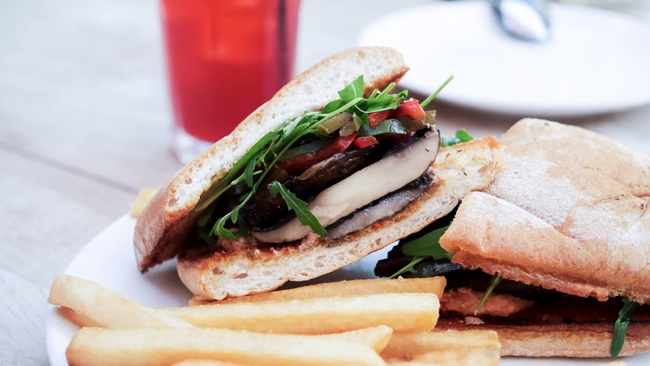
217, 273
573, 202
562, 340
163, 228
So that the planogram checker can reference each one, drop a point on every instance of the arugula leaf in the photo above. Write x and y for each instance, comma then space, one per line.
428, 245
381, 102
620, 326
461, 136
299, 207
496, 279
229, 180
410, 267
254, 167
333, 105
431, 97
353, 89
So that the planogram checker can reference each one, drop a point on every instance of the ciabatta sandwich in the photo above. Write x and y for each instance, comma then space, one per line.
333, 167
561, 238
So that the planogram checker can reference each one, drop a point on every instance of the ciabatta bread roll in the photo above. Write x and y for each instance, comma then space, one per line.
412, 193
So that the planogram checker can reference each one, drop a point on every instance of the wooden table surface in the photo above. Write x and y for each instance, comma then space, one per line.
85, 122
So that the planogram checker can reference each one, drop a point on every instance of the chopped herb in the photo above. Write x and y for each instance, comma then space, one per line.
410, 267
254, 167
461, 136
427, 245
620, 326
435, 94
299, 207
496, 279
422, 248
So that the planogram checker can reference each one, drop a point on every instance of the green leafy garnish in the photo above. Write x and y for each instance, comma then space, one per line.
299, 207
422, 248
435, 94
254, 167
352, 90
410, 267
427, 245
461, 136
496, 279
620, 326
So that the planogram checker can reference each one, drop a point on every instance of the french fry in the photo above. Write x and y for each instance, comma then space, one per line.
141, 201
456, 357
76, 318
376, 337
164, 346
451, 347
404, 312
434, 285
205, 363
106, 307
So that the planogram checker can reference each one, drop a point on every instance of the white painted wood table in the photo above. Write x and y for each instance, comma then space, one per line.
85, 122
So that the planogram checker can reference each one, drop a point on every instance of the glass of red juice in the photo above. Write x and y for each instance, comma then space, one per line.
225, 58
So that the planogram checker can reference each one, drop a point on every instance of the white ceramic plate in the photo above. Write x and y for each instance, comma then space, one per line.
108, 260
596, 61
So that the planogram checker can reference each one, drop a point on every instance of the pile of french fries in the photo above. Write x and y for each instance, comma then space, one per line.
360, 322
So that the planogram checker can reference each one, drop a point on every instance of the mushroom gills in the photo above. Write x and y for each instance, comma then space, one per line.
383, 208
401, 165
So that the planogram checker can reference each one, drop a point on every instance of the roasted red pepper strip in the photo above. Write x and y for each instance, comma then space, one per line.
364, 141
410, 108
301, 162
376, 117
343, 142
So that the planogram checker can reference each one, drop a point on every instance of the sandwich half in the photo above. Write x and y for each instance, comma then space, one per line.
565, 228
270, 204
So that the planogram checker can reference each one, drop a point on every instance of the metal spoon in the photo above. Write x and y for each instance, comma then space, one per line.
526, 20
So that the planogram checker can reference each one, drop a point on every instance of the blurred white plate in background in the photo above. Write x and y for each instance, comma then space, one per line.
596, 61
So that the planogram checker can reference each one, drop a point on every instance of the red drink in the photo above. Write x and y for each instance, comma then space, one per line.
225, 58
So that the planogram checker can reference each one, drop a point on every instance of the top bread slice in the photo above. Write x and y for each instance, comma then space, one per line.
238, 269
166, 223
569, 212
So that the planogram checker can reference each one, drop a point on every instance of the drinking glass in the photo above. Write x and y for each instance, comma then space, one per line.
224, 59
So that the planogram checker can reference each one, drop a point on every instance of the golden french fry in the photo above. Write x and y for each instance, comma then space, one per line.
76, 318
434, 285
141, 201
197, 300
446, 347
164, 346
376, 337
205, 363
104, 306
483, 356
401, 311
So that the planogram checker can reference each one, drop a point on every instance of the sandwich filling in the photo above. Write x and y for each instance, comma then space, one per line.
476, 299
331, 172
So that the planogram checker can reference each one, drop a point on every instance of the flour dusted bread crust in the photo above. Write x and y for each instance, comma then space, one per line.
163, 228
569, 212
218, 272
